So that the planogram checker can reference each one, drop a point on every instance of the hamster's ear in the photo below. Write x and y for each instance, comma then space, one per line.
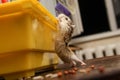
58, 19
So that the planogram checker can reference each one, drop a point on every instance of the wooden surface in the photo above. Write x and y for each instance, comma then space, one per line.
111, 70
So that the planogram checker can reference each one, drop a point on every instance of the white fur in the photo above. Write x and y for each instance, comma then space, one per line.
64, 24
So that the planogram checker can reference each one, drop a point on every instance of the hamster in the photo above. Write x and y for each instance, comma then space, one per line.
65, 30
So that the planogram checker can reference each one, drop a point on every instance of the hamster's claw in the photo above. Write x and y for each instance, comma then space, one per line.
83, 64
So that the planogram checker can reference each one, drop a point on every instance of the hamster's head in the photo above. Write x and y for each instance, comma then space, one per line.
62, 18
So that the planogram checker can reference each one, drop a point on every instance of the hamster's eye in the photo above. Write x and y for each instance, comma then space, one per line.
66, 18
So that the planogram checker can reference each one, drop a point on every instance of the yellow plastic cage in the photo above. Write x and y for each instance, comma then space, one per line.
26, 32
